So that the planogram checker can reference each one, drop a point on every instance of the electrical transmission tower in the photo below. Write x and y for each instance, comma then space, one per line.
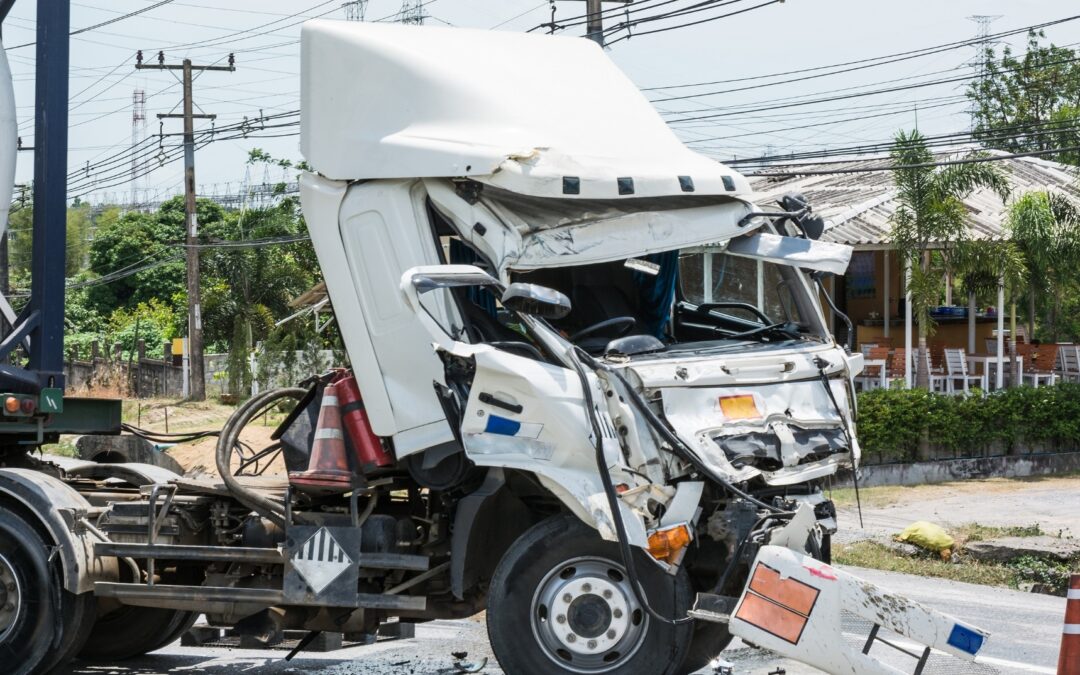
982, 44
412, 12
355, 10
138, 136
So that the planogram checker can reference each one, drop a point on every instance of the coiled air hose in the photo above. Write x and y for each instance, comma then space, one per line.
230, 436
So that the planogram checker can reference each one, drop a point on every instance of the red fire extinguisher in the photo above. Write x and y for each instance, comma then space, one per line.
369, 449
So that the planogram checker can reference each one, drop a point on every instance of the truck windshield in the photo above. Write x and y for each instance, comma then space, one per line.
732, 287
681, 298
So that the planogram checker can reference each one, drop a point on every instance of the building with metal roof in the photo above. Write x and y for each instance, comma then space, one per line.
858, 203
858, 198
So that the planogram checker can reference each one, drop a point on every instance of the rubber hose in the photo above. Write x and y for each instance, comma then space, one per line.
230, 433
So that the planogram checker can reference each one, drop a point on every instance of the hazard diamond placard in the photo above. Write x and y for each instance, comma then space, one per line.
322, 563
320, 560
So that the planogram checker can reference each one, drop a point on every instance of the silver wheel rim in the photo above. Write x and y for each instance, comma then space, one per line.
10, 598
585, 616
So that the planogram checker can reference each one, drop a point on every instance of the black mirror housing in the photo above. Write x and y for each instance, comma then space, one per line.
535, 300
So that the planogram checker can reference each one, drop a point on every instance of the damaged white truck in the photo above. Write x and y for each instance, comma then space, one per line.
592, 391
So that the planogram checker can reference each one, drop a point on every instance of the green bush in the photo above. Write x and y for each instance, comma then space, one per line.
893, 422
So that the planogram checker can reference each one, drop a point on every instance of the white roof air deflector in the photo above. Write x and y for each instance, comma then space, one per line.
546, 116
806, 254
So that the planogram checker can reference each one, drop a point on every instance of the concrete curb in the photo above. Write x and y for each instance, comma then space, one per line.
942, 471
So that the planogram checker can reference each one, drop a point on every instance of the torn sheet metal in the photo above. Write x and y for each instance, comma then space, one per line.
807, 254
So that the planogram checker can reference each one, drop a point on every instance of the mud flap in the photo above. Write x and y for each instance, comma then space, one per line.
793, 605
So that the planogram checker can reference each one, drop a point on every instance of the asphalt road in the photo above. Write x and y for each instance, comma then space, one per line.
1025, 632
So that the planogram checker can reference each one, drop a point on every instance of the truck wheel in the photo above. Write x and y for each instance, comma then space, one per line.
34, 611
133, 631
561, 603
710, 638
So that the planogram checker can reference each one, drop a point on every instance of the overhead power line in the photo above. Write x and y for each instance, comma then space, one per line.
1021, 131
778, 104
793, 170
916, 53
102, 24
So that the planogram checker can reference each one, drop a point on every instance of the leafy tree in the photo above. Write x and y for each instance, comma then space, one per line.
932, 215
250, 287
137, 240
79, 228
1030, 101
20, 236
1046, 229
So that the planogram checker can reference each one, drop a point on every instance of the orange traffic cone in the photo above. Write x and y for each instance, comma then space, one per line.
1069, 661
328, 469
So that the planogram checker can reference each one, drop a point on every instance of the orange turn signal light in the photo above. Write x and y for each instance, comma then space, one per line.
11, 404
739, 407
668, 544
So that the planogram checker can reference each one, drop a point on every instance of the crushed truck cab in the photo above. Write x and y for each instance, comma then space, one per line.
591, 390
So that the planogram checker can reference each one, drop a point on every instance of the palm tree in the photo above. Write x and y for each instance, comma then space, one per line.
984, 266
252, 287
932, 214
1046, 229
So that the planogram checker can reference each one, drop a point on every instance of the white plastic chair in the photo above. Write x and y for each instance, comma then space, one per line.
1068, 363
938, 380
956, 367
1039, 363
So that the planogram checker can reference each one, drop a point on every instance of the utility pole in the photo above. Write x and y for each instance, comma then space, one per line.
594, 29
594, 19
197, 391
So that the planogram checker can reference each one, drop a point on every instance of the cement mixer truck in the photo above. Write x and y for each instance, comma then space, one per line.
565, 402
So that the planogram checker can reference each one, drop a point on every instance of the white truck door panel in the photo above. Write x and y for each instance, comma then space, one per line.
380, 231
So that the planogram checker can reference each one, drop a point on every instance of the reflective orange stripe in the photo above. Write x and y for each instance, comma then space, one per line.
788, 592
771, 618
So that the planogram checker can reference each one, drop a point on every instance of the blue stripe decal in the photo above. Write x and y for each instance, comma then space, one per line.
965, 639
502, 425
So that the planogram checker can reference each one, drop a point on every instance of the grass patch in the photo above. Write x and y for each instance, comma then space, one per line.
1054, 576
883, 495
878, 556
979, 532
65, 448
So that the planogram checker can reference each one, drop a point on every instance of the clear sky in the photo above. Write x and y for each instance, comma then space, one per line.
791, 35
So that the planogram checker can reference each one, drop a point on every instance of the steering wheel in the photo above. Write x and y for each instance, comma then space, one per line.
620, 326
708, 306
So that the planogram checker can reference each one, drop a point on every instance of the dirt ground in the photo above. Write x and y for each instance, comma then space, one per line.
186, 417
1050, 501
199, 457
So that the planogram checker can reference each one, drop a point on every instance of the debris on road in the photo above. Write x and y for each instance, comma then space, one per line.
928, 536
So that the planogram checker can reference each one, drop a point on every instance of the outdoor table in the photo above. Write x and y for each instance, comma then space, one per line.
882, 368
990, 361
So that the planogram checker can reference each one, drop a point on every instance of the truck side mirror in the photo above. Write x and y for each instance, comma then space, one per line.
539, 301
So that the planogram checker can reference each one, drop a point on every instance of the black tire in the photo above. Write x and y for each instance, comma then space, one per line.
33, 628
530, 636
710, 638
184, 622
79, 613
132, 631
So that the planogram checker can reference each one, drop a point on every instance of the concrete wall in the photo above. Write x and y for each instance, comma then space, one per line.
942, 471
117, 373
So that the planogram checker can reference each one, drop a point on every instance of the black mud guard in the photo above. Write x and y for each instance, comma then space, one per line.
58, 508
486, 522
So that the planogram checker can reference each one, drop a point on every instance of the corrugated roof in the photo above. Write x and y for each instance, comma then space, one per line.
858, 207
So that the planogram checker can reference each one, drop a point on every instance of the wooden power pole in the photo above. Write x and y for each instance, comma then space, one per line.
197, 391
594, 19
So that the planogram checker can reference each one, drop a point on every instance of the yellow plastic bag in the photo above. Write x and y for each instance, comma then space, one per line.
927, 536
